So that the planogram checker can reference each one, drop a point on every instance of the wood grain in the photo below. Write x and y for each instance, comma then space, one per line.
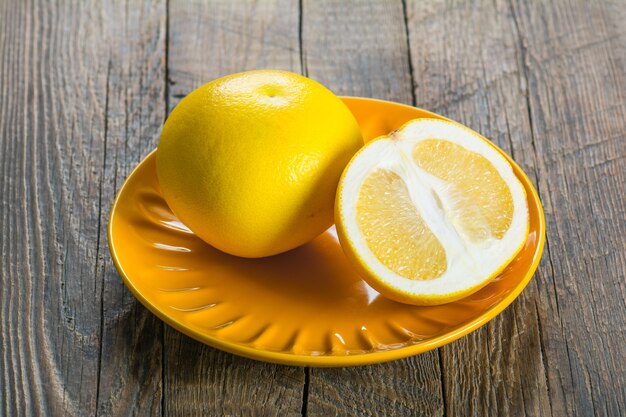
488, 76
362, 50
81, 102
206, 41
473, 73
85, 87
131, 351
574, 55
357, 49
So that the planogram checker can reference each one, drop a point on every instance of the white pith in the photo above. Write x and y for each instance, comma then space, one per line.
468, 264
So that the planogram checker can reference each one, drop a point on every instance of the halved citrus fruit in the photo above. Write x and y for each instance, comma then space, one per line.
430, 213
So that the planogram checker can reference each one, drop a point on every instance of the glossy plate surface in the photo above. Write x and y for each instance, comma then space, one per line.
304, 307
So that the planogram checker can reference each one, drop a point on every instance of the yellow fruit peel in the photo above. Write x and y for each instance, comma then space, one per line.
250, 162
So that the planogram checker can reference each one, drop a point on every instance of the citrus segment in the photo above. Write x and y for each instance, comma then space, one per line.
483, 202
394, 230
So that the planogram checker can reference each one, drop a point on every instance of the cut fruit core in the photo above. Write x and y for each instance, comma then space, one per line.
453, 193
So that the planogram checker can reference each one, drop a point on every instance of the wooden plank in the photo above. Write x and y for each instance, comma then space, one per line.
361, 49
467, 66
208, 40
130, 371
357, 49
408, 387
82, 96
77, 81
575, 63
457, 78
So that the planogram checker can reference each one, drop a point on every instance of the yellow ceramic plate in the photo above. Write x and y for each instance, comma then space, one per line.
304, 307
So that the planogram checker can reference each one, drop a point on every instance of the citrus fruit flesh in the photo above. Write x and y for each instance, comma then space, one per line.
430, 213
250, 162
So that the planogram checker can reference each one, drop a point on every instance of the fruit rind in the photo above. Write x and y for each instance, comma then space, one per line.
283, 141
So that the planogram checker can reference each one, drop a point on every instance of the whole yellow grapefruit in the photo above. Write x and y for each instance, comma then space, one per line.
250, 162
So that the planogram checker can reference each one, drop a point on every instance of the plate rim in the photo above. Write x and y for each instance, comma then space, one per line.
336, 360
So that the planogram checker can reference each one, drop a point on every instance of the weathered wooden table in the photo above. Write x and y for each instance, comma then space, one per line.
85, 87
